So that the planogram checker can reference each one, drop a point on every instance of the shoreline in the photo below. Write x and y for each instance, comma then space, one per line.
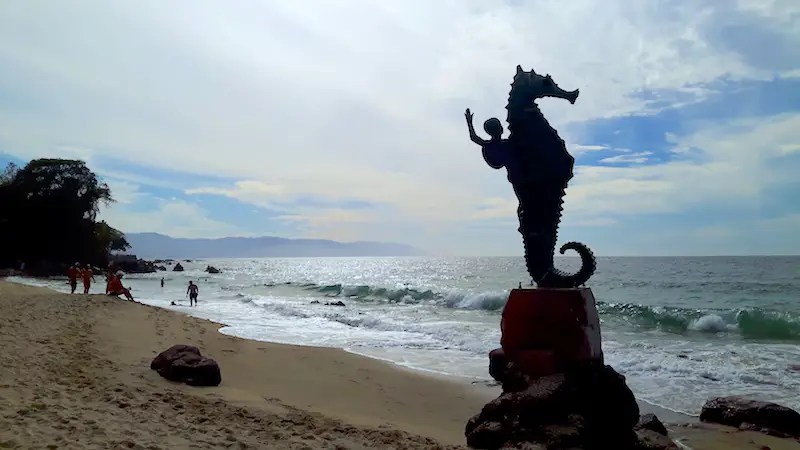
68, 357
480, 386
75, 373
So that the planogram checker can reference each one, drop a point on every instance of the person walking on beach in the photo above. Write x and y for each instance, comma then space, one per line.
191, 291
73, 273
88, 277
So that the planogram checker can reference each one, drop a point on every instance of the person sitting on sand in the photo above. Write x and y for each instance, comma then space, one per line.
191, 291
88, 277
73, 273
116, 288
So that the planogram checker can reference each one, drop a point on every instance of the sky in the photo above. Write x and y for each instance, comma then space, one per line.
344, 119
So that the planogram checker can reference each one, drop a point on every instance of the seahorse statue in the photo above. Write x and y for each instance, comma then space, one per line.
539, 168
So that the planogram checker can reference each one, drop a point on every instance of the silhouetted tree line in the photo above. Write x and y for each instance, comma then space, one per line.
48, 212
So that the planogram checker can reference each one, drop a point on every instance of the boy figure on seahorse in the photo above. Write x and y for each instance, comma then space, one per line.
539, 168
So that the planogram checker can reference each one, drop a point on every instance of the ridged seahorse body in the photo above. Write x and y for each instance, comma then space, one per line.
548, 168
539, 219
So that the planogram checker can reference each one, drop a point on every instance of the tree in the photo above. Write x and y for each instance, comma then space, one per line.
118, 242
51, 181
8, 174
110, 239
49, 212
6, 194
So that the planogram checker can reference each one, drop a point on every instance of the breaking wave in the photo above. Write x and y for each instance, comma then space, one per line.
750, 323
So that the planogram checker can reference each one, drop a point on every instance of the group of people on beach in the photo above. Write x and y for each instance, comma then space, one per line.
114, 283
113, 280
75, 271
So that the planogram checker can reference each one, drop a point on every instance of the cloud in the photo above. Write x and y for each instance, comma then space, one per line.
279, 105
577, 149
712, 233
336, 224
791, 221
175, 218
631, 158
255, 192
330, 216
137, 211
735, 165
123, 192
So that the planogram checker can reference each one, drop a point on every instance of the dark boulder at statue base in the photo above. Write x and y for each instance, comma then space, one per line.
178, 268
586, 407
744, 413
185, 364
497, 364
651, 422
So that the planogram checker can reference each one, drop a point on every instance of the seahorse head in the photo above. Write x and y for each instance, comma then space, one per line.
529, 86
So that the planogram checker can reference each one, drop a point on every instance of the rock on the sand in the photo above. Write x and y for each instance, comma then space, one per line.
741, 412
184, 363
178, 268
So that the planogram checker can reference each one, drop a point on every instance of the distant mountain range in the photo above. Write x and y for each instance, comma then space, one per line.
155, 245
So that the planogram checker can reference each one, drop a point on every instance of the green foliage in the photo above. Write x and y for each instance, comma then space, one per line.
48, 214
8, 174
109, 238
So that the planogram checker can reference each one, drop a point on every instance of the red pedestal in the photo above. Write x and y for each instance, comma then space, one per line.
545, 329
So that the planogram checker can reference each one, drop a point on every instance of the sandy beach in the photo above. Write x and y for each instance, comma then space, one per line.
74, 373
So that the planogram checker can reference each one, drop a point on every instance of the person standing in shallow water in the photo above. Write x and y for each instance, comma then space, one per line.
192, 291
162, 282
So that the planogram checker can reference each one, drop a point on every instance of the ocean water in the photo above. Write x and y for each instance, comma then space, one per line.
680, 329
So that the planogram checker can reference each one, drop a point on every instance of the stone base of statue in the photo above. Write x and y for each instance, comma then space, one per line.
545, 331
557, 391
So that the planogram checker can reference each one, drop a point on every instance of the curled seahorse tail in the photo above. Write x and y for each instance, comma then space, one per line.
556, 278
588, 264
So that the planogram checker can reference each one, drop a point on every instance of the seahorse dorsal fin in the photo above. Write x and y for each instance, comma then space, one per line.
519, 70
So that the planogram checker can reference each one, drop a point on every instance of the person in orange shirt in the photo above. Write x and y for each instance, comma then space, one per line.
116, 288
73, 273
109, 279
88, 277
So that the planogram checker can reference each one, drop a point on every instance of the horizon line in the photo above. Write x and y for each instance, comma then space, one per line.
468, 256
